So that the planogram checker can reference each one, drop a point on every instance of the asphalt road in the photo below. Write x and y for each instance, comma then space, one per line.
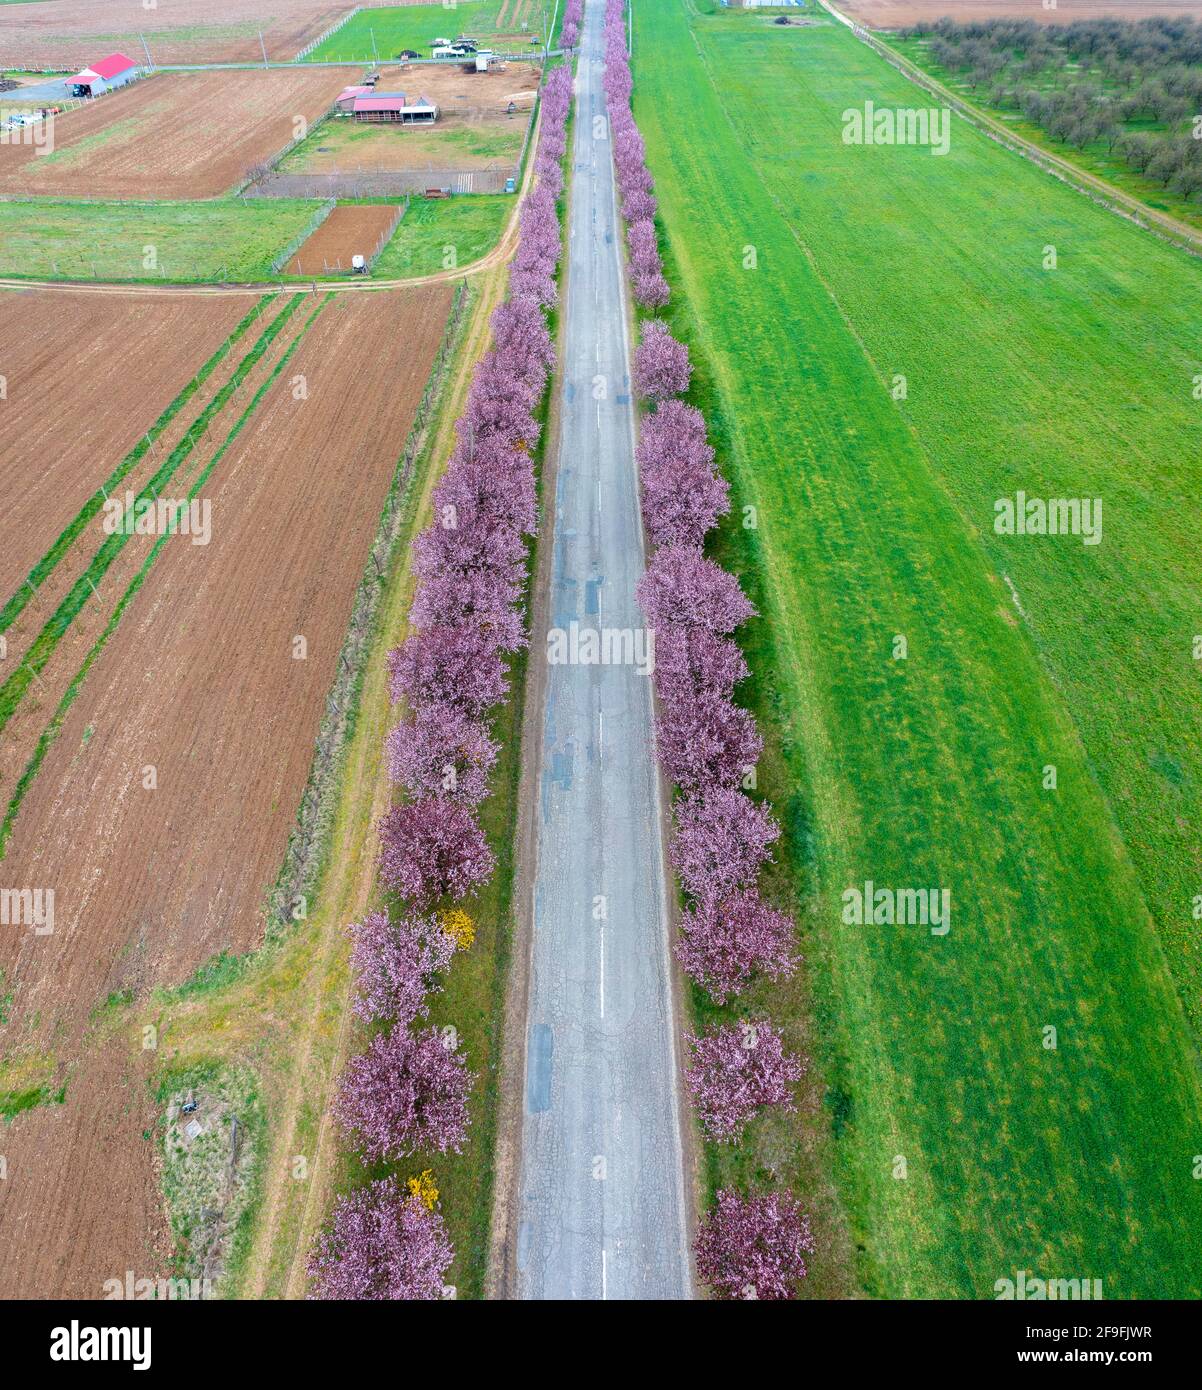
601, 1189
51, 92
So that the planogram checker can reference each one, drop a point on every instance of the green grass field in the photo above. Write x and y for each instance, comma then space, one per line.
441, 234
1094, 158
379, 34
808, 275
107, 241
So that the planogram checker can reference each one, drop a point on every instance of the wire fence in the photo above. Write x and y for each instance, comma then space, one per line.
302, 236
329, 33
382, 183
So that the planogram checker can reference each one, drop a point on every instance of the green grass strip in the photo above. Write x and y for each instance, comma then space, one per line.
55, 726
14, 688
13, 609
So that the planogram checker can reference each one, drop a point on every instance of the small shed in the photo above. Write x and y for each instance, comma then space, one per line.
105, 76
347, 97
394, 106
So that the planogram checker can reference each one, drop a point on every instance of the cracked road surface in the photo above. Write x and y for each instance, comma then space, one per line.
602, 1209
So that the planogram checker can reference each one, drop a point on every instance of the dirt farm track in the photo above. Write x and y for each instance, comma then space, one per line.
897, 14
174, 135
201, 680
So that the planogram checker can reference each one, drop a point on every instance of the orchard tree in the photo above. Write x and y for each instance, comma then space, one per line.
754, 1247
440, 751
382, 1244
433, 847
661, 362
448, 665
682, 586
693, 664
721, 839
397, 964
737, 1069
706, 742
723, 945
407, 1092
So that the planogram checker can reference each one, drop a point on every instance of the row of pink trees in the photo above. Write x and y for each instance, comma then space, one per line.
573, 17
635, 183
409, 1091
748, 1247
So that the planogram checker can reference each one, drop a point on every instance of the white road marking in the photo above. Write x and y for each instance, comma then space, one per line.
601, 981
604, 1274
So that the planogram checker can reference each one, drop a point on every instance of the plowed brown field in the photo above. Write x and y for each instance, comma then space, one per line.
897, 14
87, 377
201, 682
75, 32
348, 231
174, 135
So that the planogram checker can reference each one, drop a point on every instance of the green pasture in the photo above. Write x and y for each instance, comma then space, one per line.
811, 277
1095, 157
442, 234
377, 35
235, 239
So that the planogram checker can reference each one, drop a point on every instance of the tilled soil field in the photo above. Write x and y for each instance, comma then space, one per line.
100, 369
75, 32
348, 231
897, 14
203, 681
174, 135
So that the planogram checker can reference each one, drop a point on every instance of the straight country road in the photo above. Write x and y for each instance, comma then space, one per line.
601, 1198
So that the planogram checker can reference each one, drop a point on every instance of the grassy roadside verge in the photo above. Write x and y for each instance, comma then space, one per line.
282, 1011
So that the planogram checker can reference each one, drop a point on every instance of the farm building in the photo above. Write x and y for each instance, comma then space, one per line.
105, 76
349, 95
394, 106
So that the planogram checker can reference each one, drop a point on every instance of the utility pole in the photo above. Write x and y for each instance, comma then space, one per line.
146, 49
375, 52
263, 46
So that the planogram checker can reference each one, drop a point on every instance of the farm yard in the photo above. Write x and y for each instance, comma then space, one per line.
354, 230
474, 130
175, 135
138, 677
877, 382
67, 33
